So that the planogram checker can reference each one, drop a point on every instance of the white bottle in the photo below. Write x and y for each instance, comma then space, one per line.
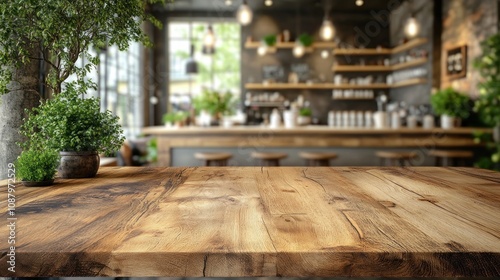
275, 120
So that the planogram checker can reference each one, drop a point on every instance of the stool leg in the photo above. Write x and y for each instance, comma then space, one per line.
324, 162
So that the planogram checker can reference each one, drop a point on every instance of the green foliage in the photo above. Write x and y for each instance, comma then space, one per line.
69, 122
215, 102
58, 32
488, 63
152, 150
37, 165
306, 40
269, 40
175, 117
492, 159
305, 112
451, 102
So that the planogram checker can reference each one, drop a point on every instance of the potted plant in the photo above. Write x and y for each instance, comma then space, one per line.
451, 105
175, 119
214, 104
75, 127
305, 114
303, 42
37, 167
41, 42
269, 40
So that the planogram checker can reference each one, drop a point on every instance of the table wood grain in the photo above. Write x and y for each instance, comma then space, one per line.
253, 221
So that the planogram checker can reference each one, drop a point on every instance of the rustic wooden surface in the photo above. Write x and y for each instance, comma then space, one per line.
309, 136
286, 221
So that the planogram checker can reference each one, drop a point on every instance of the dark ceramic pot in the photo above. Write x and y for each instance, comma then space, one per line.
78, 165
39, 183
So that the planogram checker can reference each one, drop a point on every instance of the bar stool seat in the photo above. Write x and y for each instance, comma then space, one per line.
217, 159
445, 157
317, 158
396, 158
269, 159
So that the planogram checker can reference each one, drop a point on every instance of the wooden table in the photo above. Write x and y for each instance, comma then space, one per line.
252, 137
252, 221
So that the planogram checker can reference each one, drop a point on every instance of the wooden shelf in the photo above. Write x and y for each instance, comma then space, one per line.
266, 104
409, 64
409, 45
361, 68
410, 82
382, 51
379, 68
290, 45
329, 86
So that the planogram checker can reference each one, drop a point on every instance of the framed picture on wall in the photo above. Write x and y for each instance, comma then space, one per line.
456, 63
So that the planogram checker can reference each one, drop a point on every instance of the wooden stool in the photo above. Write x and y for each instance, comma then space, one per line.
395, 158
317, 158
269, 159
218, 159
444, 157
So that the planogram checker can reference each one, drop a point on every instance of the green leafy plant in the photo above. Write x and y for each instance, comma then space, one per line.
152, 150
269, 40
69, 122
175, 117
491, 160
488, 63
305, 112
450, 102
215, 102
37, 165
305, 39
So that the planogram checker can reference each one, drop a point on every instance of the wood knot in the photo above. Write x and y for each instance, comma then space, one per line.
388, 204
428, 199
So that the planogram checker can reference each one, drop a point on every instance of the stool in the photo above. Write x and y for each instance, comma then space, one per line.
445, 157
269, 159
395, 158
317, 159
218, 159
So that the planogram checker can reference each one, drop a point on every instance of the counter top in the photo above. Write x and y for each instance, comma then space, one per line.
312, 129
253, 221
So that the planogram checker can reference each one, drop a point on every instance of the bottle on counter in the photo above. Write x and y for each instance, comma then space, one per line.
275, 120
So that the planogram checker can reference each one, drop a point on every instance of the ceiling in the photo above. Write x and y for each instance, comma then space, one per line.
336, 6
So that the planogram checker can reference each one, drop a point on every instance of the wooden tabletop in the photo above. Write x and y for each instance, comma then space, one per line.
253, 221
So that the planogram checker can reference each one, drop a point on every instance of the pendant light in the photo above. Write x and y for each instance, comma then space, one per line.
191, 65
244, 14
327, 31
412, 26
359, 3
209, 41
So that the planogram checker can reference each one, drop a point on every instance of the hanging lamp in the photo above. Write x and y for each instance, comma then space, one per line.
209, 41
191, 64
244, 14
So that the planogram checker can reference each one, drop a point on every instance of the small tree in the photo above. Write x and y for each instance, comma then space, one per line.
56, 33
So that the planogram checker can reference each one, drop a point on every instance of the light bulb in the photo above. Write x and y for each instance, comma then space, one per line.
299, 50
412, 28
209, 40
244, 14
359, 3
262, 50
228, 2
327, 30
268, 2
324, 54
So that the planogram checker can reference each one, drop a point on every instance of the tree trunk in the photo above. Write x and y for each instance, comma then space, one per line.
23, 94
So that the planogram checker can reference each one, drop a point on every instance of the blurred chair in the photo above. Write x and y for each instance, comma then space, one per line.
317, 158
451, 157
269, 159
395, 158
217, 159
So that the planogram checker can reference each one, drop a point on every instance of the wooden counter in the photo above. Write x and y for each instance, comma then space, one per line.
310, 136
251, 221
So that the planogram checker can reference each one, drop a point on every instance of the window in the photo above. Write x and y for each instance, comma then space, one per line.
219, 71
118, 78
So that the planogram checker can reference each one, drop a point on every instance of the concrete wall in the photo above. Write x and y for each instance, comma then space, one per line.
467, 22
